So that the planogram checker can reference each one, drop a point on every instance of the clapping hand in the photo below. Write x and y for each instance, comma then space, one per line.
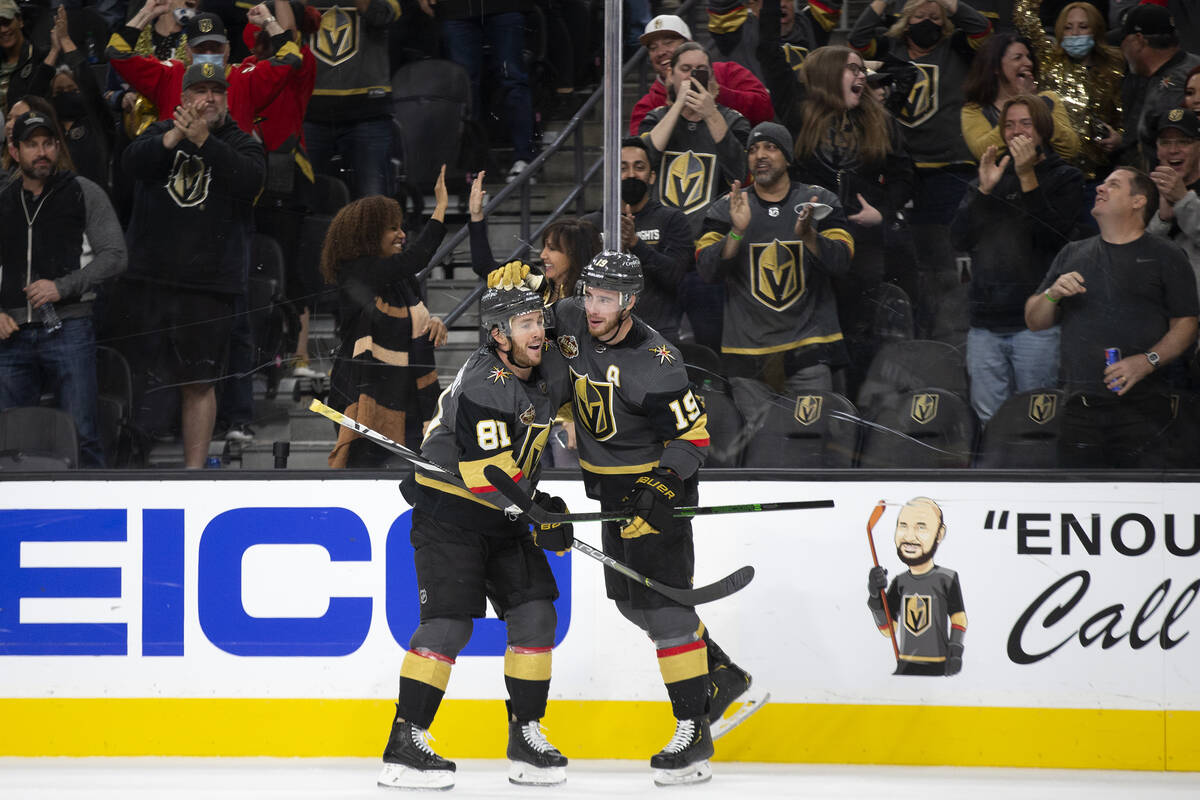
990, 170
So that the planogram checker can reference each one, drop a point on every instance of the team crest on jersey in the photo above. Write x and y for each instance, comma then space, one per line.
686, 180
499, 375
924, 408
188, 182
777, 273
336, 41
794, 54
663, 354
808, 408
922, 101
1043, 407
568, 346
917, 616
528, 416
594, 406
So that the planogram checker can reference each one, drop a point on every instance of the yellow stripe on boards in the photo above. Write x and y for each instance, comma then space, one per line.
779, 733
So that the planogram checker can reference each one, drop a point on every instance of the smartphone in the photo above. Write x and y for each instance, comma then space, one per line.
702, 76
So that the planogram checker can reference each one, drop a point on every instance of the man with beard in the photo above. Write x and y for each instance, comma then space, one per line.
925, 603
197, 175
658, 235
467, 551
48, 279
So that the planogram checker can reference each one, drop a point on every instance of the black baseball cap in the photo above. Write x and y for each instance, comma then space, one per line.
1182, 120
204, 73
1148, 20
28, 124
205, 28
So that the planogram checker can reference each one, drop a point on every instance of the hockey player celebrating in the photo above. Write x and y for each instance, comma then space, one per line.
497, 411
642, 437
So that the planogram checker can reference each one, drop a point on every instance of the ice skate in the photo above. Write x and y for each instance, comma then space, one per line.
685, 758
533, 761
410, 763
730, 684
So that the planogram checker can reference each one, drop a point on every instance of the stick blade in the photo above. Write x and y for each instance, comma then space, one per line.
733, 582
506, 486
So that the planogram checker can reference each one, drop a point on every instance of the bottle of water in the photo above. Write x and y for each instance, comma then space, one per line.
49, 317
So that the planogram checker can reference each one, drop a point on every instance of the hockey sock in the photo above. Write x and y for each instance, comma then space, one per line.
424, 675
527, 677
684, 669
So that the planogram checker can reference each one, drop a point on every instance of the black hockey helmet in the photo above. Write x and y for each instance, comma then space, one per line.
614, 271
499, 305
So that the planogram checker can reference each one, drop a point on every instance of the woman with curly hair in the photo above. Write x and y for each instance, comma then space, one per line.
384, 374
1085, 72
1005, 68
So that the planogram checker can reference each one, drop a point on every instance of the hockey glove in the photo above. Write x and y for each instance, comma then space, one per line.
876, 583
555, 536
513, 274
652, 504
954, 658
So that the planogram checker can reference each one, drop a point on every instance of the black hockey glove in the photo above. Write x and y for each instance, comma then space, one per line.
652, 504
876, 583
556, 536
954, 658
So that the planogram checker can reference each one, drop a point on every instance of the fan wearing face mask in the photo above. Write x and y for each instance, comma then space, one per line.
1085, 72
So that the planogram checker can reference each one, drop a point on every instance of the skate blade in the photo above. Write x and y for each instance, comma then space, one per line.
523, 774
398, 776
740, 714
700, 772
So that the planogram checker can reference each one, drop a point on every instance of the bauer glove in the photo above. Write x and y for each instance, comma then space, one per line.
514, 274
555, 536
652, 504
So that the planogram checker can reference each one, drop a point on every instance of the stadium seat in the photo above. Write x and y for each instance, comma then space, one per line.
697, 355
1023, 432
726, 428
274, 322
431, 101
902, 366
808, 430
1183, 434
114, 405
928, 427
893, 313
37, 438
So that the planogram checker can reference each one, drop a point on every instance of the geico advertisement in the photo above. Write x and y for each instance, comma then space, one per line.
1074, 595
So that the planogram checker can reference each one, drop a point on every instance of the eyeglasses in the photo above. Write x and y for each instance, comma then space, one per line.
856, 69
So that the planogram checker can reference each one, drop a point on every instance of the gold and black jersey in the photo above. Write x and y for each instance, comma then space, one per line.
488, 416
777, 293
632, 402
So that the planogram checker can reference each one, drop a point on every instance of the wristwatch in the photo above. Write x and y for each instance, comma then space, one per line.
1152, 357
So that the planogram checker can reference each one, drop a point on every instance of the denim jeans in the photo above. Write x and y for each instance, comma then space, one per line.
1003, 364
505, 33
64, 362
365, 148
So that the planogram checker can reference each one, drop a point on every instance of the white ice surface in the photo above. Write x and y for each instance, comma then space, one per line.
349, 779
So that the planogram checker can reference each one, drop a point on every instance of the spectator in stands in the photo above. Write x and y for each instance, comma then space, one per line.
80, 107
734, 27
1177, 177
379, 379
658, 235
1191, 99
50, 278
737, 88
22, 70
1184, 13
198, 175
776, 246
350, 114
1158, 70
936, 42
1130, 292
44, 108
1085, 73
1018, 214
163, 40
1006, 68
466, 28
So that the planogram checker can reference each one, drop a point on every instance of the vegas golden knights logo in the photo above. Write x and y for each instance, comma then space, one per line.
530, 451
922, 102
1043, 407
594, 406
687, 180
336, 40
794, 54
777, 273
924, 408
808, 408
205, 26
917, 616
188, 181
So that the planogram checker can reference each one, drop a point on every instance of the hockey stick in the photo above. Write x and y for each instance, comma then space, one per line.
687, 597
731, 583
875, 515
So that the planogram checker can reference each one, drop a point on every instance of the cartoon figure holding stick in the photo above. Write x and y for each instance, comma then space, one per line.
922, 610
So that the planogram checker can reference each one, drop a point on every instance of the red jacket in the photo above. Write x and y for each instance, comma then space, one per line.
740, 90
283, 117
252, 86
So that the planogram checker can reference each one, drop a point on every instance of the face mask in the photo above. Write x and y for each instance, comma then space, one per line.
1078, 46
216, 59
184, 15
925, 33
69, 106
633, 190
